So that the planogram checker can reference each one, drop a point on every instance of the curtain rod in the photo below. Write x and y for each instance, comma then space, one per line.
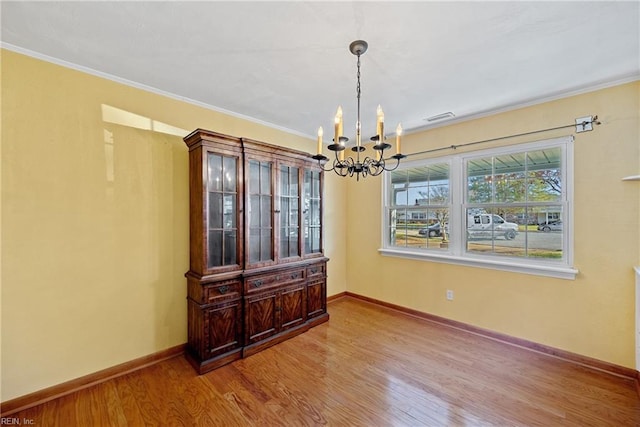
592, 120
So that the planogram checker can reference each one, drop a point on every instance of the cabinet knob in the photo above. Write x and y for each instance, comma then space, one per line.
223, 289
257, 283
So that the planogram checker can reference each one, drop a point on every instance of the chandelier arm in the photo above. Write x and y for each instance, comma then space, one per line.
397, 157
377, 167
320, 158
342, 167
323, 168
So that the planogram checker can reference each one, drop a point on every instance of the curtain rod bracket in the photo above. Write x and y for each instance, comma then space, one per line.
585, 124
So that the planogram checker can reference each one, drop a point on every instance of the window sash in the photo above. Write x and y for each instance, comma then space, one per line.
457, 250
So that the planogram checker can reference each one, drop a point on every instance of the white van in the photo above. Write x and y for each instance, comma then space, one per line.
490, 226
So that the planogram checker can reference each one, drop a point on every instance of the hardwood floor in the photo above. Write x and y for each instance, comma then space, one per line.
367, 366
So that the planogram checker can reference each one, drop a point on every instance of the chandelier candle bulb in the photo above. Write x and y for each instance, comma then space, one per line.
398, 134
320, 140
338, 126
380, 124
340, 131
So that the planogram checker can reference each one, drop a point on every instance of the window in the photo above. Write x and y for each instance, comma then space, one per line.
506, 208
419, 206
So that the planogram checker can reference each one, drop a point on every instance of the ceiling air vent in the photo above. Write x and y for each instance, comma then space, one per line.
443, 116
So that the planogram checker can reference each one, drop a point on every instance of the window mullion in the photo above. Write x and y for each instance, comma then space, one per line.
457, 224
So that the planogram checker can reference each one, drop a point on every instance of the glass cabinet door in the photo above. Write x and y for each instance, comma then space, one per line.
222, 212
312, 212
289, 212
260, 211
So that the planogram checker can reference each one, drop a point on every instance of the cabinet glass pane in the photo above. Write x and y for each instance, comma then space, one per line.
254, 210
293, 212
215, 248
314, 209
284, 180
254, 177
265, 178
294, 182
230, 174
284, 212
230, 240
284, 242
265, 245
254, 245
306, 186
315, 187
289, 242
215, 210
214, 172
265, 212
229, 211
315, 240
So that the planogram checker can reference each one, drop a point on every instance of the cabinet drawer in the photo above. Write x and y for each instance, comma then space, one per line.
317, 270
283, 277
221, 291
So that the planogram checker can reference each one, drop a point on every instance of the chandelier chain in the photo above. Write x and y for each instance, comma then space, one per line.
358, 123
358, 84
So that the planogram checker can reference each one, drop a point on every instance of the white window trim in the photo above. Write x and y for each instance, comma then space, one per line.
456, 253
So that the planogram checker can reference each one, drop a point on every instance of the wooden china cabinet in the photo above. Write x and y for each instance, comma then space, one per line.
257, 272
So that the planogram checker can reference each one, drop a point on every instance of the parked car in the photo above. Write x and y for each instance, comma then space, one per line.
490, 226
433, 230
551, 226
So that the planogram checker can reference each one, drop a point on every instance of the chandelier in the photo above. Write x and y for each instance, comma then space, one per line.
355, 165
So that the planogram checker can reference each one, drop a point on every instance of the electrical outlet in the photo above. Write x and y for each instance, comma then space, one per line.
449, 295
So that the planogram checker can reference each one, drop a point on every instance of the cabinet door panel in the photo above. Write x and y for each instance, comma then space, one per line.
260, 215
293, 306
315, 298
221, 211
313, 212
261, 317
289, 218
223, 328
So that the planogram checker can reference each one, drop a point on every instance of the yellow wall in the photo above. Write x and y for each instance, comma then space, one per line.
95, 221
592, 315
94, 215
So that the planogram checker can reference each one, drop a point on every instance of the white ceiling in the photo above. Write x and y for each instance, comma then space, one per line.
287, 64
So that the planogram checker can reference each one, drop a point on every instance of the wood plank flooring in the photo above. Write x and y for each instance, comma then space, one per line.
367, 366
